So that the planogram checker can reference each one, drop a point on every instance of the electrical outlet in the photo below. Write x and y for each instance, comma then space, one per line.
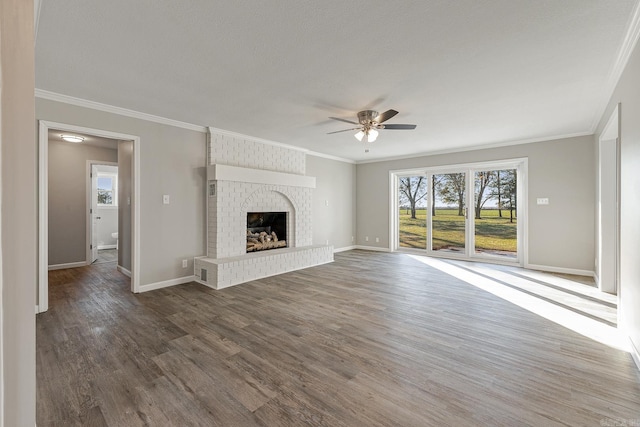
184, 263
166, 199
377, 240
326, 202
366, 238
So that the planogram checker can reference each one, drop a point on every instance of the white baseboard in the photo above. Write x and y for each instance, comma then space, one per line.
167, 283
346, 248
561, 270
124, 271
372, 248
106, 247
67, 265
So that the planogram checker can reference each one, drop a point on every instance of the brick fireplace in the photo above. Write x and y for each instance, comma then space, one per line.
247, 176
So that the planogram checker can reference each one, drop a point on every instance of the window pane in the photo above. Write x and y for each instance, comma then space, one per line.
448, 222
496, 231
412, 202
105, 197
105, 183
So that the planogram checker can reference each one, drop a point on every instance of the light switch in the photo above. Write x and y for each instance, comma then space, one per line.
165, 199
543, 200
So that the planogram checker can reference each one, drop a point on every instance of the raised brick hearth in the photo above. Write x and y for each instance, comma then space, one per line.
250, 176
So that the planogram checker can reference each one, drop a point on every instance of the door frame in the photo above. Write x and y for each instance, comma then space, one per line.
43, 203
522, 166
610, 135
90, 196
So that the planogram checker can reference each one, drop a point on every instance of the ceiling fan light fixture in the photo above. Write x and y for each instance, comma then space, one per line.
72, 138
359, 135
372, 135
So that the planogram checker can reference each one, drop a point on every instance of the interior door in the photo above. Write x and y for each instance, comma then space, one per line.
93, 214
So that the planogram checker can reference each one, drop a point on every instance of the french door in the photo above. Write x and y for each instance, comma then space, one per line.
464, 211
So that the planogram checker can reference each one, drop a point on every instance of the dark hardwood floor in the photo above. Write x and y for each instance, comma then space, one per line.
373, 339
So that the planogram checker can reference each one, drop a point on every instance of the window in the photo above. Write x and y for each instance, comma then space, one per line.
107, 189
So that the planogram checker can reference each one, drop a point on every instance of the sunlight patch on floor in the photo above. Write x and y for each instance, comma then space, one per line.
585, 326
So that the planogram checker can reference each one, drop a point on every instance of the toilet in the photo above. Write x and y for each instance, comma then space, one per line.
115, 236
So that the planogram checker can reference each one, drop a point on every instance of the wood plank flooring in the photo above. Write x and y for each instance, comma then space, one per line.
373, 339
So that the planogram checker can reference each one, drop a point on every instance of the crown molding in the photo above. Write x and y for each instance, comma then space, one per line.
626, 49
66, 99
330, 157
475, 147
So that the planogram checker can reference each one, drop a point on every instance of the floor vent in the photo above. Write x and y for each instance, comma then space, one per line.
203, 274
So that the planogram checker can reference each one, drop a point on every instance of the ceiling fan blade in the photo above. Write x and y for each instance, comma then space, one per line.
344, 120
345, 130
383, 117
399, 127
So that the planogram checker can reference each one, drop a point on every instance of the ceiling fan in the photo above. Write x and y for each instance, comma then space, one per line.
369, 122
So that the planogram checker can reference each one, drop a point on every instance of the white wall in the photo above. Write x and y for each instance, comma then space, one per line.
172, 163
18, 215
561, 235
627, 93
334, 201
68, 198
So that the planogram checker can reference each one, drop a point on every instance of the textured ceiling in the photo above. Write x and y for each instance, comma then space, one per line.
468, 72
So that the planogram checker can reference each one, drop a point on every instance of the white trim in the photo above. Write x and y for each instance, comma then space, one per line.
219, 172
562, 270
626, 49
344, 249
43, 193
53, 96
43, 216
372, 248
330, 157
37, 6
634, 353
475, 147
167, 283
37, 309
135, 226
124, 271
106, 247
67, 265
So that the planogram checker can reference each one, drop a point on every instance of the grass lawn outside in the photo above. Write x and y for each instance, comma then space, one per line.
493, 234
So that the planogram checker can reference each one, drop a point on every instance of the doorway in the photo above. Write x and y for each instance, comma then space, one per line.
103, 213
470, 211
608, 208
131, 207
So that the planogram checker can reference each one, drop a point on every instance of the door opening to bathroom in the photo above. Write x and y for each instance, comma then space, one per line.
103, 213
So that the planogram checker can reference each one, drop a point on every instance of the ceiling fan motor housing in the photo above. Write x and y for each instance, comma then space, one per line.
367, 117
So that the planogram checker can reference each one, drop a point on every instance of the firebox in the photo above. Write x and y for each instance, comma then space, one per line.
266, 230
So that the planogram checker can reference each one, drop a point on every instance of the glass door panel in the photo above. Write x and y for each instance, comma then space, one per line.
412, 215
448, 213
495, 215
